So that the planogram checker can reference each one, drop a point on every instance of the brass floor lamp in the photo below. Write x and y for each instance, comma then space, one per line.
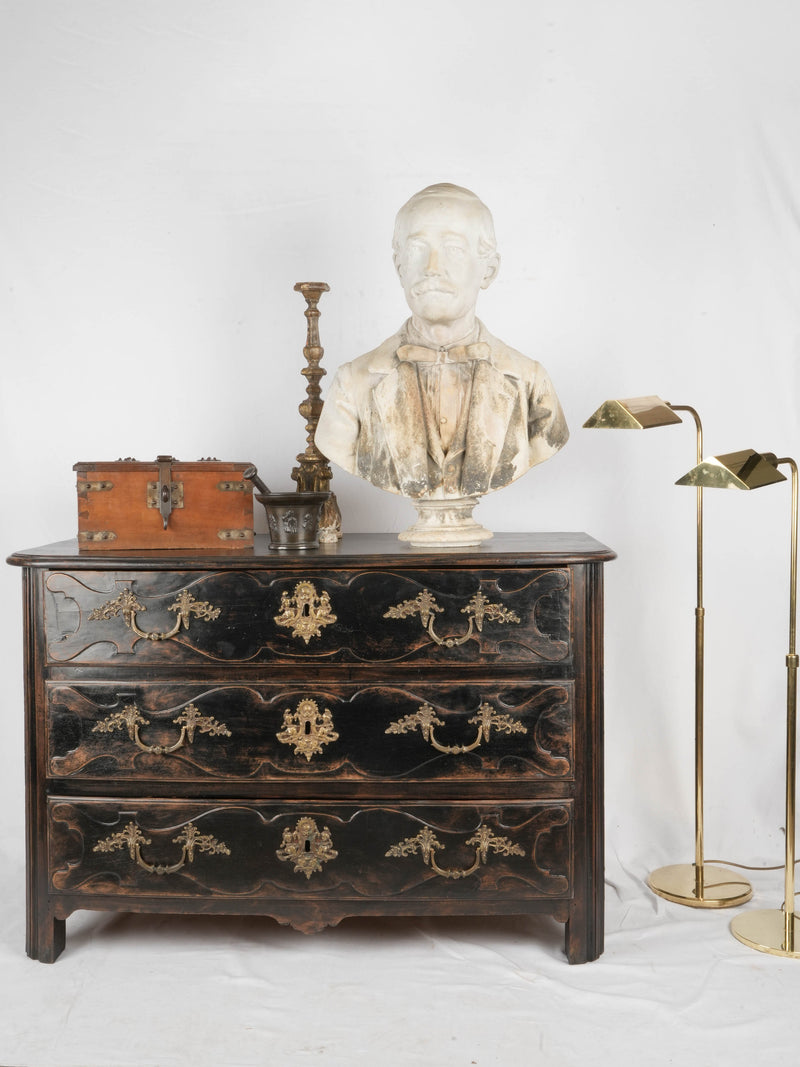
698, 884
775, 930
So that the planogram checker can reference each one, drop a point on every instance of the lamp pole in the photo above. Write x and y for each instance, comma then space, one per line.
699, 675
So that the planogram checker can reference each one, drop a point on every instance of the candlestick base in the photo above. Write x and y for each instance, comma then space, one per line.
706, 886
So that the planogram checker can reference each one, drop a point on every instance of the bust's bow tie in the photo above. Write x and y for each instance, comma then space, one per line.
456, 354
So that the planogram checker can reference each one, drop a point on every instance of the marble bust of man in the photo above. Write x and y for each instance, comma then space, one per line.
442, 409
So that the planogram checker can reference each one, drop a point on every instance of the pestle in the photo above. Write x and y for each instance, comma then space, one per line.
251, 475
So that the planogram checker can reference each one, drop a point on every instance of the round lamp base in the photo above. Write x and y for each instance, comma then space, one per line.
769, 931
700, 887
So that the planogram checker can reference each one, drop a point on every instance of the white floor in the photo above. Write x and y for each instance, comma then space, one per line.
673, 986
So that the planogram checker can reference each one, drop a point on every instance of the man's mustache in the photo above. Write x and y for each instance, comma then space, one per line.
433, 285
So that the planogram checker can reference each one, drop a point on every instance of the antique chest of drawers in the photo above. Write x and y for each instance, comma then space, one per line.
366, 729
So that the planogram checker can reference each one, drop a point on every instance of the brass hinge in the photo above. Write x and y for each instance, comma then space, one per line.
233, 487
94, 487
234, 535
97, 535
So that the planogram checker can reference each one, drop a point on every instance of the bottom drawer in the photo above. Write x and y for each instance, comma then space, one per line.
166, 849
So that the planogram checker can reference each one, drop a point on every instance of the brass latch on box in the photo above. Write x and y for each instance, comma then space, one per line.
165, 494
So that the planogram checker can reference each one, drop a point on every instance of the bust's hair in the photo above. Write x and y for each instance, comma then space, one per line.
487, 243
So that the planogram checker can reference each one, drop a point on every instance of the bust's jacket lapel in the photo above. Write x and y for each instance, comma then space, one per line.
491, 407
399, 406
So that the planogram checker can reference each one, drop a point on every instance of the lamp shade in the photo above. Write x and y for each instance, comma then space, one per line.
635, 413
735, 470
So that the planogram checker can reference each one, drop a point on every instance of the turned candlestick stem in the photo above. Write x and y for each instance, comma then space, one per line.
313, 473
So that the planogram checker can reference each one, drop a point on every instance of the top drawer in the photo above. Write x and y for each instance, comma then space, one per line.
316, 617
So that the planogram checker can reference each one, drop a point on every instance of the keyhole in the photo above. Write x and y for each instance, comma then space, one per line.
307, 727
307, 845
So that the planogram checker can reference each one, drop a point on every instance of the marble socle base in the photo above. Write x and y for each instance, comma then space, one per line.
448, 523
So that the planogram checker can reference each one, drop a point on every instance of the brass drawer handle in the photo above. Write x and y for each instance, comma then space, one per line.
127, 605
307, 729
307, 847
189, 720
189, 838
478, 609
306, 611
426, 843
487, 719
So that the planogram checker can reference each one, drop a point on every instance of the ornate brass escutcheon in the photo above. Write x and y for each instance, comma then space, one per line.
307, 729
477, 610
487, 719
307, 847
127, 606
190, 720
191, 840
427, 844
306, 611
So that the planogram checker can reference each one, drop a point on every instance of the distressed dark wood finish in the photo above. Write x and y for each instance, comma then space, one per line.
361, 837
249, 601
532, 738
450, 769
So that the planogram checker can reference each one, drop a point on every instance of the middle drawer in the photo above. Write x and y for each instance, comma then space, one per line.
421, 732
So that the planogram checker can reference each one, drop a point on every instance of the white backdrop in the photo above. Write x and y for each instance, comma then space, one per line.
170, 169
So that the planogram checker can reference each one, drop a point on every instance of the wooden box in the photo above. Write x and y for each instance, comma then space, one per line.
165, 504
